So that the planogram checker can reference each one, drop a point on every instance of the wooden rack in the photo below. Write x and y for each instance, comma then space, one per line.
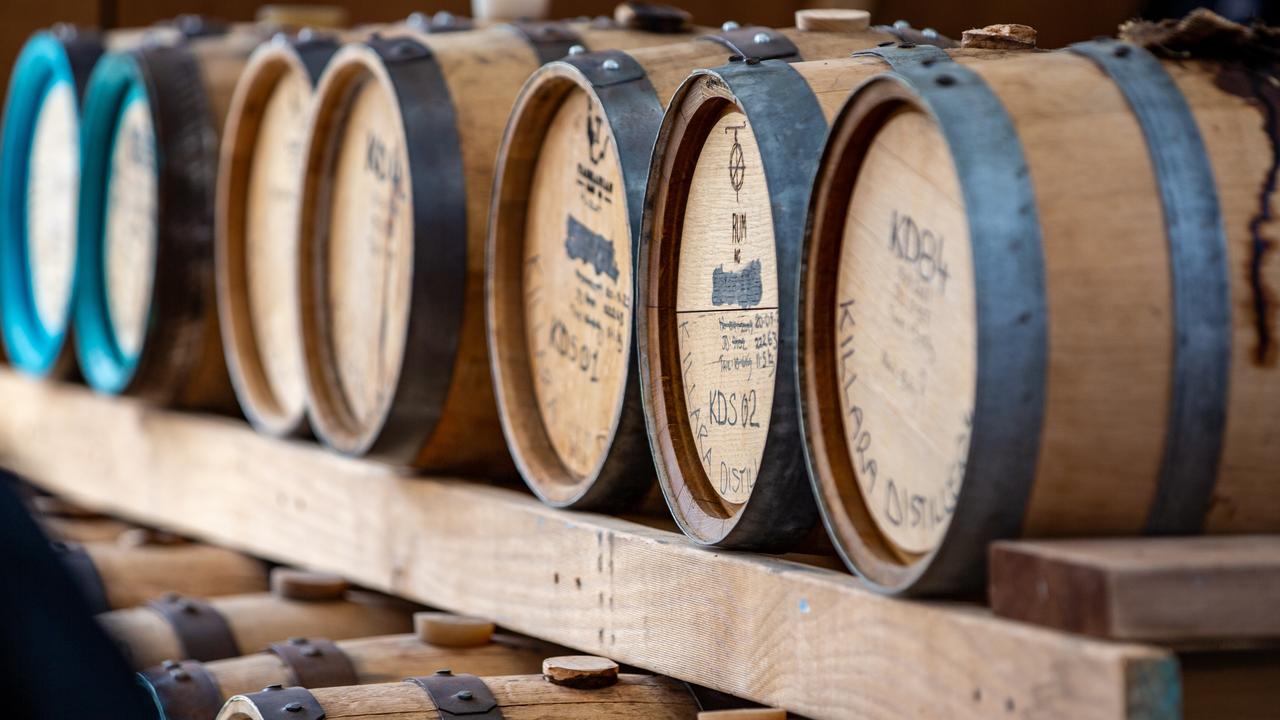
775, 631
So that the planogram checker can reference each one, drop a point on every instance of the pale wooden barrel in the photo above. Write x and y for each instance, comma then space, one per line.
124, 574
399, 168
145, 319
718, 263
192, 690
259, 176
175, 627
1040, 309
564, 224
517, 697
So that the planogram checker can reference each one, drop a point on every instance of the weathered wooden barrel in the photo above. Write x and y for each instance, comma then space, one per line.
399, 169
174, 627
192, 690
717, 269
116, 575
259, 176
145, 319
566, 214
448, 694
1041, 308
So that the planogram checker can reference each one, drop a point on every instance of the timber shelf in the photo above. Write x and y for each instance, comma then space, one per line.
774, 631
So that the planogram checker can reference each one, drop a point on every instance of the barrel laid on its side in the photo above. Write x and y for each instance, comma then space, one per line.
145, 320
1041, 308
564, 223
192, 690
175, 627
399, 169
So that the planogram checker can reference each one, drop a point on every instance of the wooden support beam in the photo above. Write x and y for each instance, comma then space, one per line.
1193, 590
783, 634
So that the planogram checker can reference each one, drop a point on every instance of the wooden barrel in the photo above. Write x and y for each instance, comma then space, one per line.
175, 627
564, 224
717, 269
445, 694
145, 321
399, 168
259, 176
1041, 308
192, 690
122, 575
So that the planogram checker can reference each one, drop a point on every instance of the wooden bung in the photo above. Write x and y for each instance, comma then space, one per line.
395, 198
517, 697
564, 225
1041, 308
234, 625
131, 576
314, 662
145, 319
718, 262
256, 219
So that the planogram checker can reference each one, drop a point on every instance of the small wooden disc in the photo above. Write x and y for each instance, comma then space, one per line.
131, 234
454, 631
270, 238
906, 337
744, 714
580, 671
727, 307
832, 20
53, 183
370, 253
578, 283
303, 585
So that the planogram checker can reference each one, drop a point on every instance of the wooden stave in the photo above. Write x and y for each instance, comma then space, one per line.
425, 413
264, 69
528, 697
629, 106
374, 660
181, 361
949, 569
133, 575
23, 344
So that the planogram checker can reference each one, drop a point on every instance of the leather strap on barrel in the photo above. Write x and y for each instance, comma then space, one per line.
80, 564
1201, 289
280, 703
459, 696
550, 40
316, 663
756, 43
183, 690
202, 631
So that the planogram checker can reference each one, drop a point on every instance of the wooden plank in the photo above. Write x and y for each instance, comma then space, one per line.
780, 633
1171, 590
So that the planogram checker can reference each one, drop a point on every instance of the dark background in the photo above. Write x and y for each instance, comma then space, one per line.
1058, 21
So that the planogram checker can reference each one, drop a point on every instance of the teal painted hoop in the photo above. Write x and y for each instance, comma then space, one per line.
117, 82
48, 60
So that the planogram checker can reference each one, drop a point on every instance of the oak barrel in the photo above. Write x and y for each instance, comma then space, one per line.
516, 697
718, 261
145, 319
259, 176
117, 575
177, 627
567, 203
192, 690
1038, 301
399, 169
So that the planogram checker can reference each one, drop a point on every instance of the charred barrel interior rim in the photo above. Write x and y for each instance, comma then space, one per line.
266, 408
117, 84
43, 74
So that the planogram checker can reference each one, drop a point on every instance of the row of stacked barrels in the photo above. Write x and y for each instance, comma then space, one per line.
212, 633
928, 294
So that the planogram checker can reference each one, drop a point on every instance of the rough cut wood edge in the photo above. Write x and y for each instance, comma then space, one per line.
1179, 590
776, 632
